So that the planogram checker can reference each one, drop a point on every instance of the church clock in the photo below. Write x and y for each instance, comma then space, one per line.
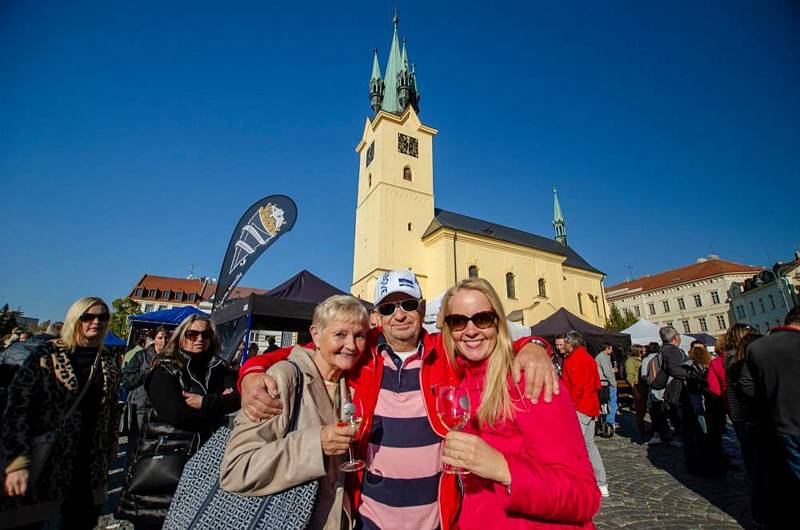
407, 145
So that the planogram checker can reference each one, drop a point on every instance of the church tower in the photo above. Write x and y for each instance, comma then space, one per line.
559, 224
395, 176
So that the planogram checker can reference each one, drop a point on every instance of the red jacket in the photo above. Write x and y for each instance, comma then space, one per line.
365, 379
582, 380
552, 481
717, 380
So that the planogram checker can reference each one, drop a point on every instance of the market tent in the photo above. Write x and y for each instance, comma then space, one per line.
113, 340
165, 317
705, 338
645, 332
563, 321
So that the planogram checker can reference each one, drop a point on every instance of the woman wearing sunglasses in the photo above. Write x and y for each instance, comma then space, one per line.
528, 466
187, 389
59, 429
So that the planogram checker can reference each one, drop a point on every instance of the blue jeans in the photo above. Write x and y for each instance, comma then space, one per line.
611, 417
792, 444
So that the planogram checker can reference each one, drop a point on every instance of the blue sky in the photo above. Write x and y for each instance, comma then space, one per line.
133, 135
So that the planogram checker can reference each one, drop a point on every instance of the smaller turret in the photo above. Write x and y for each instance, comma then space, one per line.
376, 85
405, 80
559, 224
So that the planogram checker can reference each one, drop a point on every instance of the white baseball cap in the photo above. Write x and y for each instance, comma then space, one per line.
402, 281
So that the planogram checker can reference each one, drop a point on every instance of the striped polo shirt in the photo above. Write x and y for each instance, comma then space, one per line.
401, 485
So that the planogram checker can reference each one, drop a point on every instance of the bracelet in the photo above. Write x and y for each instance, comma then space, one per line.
508, 487
540, 343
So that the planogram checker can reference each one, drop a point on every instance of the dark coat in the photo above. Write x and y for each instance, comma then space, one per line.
172, 426
774, 362
673, 362
39, 397
133, 375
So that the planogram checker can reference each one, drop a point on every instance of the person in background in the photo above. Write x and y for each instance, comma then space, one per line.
708, 437
608, 377
189, 399
252, 349
271, 346
558, 355
582, 380
24, 336
73, 479
633, 368
134, 372
655, 400
528, 464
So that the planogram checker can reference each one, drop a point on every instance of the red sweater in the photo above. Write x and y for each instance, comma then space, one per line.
582, 380
552, 481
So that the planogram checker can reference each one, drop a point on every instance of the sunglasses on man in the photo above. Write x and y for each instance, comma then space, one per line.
89, 317
482, 320
409, 306
192, 334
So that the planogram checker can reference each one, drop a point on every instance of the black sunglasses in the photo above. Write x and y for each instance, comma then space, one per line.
482, 320
192, 334
388, 309
89, 317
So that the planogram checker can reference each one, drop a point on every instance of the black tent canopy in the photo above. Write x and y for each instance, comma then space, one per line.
563, 321
287, 307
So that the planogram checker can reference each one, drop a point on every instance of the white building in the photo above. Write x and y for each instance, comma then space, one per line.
693, 299
764, 299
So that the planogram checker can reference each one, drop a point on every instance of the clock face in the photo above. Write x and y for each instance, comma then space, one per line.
370, 153
407, 145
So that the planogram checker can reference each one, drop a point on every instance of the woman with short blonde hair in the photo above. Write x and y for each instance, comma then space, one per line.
67, 391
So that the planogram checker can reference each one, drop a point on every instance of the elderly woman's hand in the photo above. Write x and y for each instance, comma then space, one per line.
16, 483
260, 397
336, 440
472, 453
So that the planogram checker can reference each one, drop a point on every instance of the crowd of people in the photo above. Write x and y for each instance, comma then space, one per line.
515, 450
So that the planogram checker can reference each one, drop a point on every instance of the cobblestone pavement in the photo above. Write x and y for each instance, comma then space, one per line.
649, 488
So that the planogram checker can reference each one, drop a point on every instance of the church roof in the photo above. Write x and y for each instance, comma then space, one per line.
472, 225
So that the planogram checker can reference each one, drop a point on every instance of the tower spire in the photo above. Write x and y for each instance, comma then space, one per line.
376, 84
399, 83
559, 224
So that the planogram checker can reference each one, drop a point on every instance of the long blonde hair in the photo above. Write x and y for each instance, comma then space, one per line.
173, 347
496, 404
71, 331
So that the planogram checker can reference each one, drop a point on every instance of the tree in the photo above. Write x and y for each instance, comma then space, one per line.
618, 320
42, 327
123, 308
8, 320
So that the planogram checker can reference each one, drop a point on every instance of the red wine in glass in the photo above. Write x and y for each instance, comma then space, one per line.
453, 408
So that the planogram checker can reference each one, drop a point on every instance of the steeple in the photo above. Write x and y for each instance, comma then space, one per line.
558, 220
376, 85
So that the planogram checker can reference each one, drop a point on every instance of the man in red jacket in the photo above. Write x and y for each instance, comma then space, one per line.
582, 379
402, 486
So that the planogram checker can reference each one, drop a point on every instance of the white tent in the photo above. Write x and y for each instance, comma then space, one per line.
432, 311
645, 332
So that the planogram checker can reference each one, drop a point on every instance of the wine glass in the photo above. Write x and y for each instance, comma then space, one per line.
351, 414
453, 407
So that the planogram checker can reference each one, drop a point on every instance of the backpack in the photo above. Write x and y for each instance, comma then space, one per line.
656, 376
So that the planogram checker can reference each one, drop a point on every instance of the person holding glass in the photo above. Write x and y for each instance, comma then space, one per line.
261, 458
527, 465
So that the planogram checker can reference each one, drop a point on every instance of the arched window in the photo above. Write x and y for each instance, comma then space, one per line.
542, 288
510, 289
409, 227
369, 180
407, 174
580, 303
473, 271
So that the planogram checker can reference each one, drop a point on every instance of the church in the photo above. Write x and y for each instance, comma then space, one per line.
398, 225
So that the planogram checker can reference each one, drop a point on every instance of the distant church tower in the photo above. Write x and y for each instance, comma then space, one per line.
559, 224
395, 177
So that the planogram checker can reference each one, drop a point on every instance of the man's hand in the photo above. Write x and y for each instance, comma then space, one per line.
193, 400
539, 372
336, 440
470, 452
260, 397
16, 483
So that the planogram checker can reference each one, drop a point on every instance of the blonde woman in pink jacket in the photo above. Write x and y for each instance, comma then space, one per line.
528, 466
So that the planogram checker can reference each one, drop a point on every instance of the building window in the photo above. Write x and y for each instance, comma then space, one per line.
161, 307
165, 295
148, 308
626, 312
191, 297
407, 174
370, 153
721, 322
752, 308
542, 288
686, 328
761, 304
511, 291
651, 307
409, 227
473, 271
740, 312
665, 303
369, 180
580, 303
668, 323
637, 311
703, 325
178, 296
681, 304
714, 297
698, 302
771, 302
596, 302
151, 293
139, 292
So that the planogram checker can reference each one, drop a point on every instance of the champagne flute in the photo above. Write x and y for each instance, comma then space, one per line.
351, 414
453, 408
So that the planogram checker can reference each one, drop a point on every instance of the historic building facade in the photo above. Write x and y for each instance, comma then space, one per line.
398, 225
693, 299
764, 299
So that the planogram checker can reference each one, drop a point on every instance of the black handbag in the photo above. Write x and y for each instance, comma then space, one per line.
158, 474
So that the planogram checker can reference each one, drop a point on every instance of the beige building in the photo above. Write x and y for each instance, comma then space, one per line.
693, 299
764, 299
398, 225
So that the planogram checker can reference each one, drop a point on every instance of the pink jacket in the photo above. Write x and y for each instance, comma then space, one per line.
552, 481
717, 380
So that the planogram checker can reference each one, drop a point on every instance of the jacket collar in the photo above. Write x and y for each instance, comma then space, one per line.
314, 385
